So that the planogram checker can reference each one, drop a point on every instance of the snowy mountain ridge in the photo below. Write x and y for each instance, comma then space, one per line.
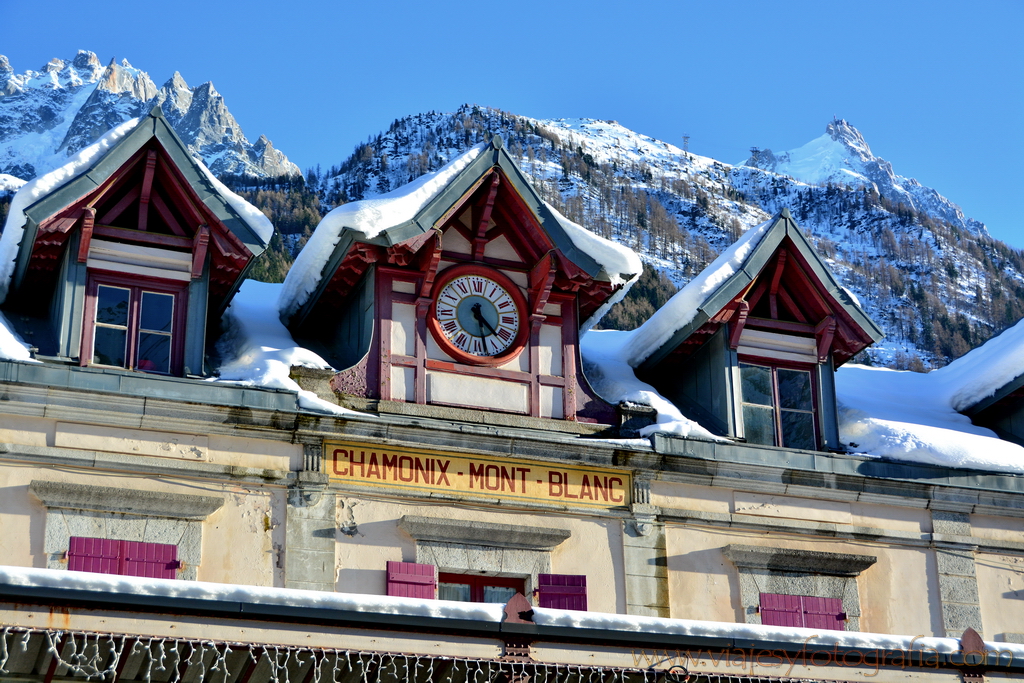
48, 115
842, 156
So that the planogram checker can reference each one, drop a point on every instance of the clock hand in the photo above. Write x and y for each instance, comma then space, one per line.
482, 320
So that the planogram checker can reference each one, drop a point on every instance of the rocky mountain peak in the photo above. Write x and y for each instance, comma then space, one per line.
86, 60
5, 66
842, 132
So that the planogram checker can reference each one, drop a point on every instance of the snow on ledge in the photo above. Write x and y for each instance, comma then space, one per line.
118, 586
34, 190
367, 218
259, 351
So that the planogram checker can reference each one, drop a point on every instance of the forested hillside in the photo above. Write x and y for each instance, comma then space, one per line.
937, 284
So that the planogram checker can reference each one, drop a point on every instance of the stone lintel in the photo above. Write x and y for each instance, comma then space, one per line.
61, 495
482, 533
798, 561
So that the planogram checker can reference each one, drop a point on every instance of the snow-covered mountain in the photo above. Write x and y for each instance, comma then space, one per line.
48, 115
935, 280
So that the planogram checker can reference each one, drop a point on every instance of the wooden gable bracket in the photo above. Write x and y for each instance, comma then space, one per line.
403, 253
480, 238
773, 301
542, 278
147, 189
738, 323
430, 259
200, 244
88, 220
117, 209
824, 332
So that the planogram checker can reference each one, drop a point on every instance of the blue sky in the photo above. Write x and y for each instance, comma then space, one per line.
936, 88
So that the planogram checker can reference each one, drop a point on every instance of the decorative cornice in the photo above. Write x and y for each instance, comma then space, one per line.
482, 533
61, 495
798, 561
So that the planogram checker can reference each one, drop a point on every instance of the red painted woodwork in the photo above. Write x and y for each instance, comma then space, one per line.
146, 190
88, 218
126, 558
411, 580
458, 354
802, 611
562, 591
477, 582
200, 243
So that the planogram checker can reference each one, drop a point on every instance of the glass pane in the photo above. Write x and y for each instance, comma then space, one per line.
500, 594
795, 389
154, 352
112, 305
757, 384
798, 430
759, 425
109, 346
157, 311
454, 591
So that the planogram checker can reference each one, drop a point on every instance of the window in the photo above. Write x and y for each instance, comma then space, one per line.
127, 558
134, 323
470, 588
803, 611
778, 406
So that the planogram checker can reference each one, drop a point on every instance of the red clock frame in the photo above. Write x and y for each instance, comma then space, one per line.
518, 344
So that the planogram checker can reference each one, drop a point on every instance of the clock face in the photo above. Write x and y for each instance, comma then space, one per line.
477, 315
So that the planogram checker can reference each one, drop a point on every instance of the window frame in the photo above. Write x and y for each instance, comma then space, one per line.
119, 557
774, 365
137, 284
476, 583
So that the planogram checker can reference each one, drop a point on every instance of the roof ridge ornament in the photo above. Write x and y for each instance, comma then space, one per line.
497, 142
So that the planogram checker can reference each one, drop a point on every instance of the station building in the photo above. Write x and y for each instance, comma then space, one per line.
458, 492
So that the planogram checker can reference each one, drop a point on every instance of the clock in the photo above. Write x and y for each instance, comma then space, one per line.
477, 315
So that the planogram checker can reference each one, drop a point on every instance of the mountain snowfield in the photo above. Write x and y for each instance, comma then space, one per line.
47, 116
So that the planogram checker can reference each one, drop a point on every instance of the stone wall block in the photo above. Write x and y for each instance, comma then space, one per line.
125, 528
164, 530
89, 524
955, 562
951, 523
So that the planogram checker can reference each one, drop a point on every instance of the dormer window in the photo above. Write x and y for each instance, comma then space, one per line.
778, 406
134, 325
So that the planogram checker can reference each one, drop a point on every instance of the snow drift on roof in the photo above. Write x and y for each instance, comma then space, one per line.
252, 216
622, 265
613, 379
367, 219
259, 351
683, 306
34, 190
9, 183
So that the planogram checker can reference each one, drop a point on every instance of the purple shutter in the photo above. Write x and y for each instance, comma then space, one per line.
826, 613
562, 591
411, 580
97, 555
781, 610
152, 560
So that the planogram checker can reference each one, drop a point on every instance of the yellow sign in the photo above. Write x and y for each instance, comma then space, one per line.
430, 471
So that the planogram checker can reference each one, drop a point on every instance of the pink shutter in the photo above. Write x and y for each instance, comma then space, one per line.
562, 591
826, 613
781, 610
152, 560
97, 555
411, 580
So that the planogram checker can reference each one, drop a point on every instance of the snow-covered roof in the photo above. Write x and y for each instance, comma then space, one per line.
413, 209
89, 168
717, 285
198, 592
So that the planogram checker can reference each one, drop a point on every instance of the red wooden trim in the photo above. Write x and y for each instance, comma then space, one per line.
225, 248
518, 344
780, 265
551, 380
793, 306
774, 364
147, 189
144, 237
477, 370
423, 310
757, 291
404, 361
477, 583
168, 216
542, 277
825, 331
480, 239
85, 240
456, 208
200, 243
430, 261
183, 196
780, 325
740, 321
112, 213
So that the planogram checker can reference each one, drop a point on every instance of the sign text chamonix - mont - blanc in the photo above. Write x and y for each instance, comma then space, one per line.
430, 471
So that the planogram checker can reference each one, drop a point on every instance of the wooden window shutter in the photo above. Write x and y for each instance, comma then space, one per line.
97, 555
126, 558
824, 613
781, 610
411, 580
562, 591
153, 560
